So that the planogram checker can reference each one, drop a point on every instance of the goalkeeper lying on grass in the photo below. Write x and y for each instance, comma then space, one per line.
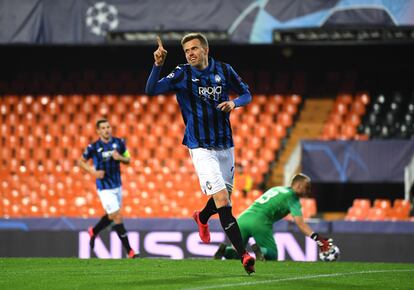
257, 220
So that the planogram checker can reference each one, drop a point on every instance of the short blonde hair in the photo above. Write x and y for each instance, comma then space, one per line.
196, 35
300, 178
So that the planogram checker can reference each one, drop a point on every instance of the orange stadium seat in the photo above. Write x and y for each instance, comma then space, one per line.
362, 203
377, 214
64, 125
354, 119
267, 154
358, 107
340, 108
403, 204
285, 119
255, 142
363, 97
249, 119
346, 115
279, 131
276, 99
384, 204
272, 108
398, 214
335, 120
345, 99
266, 120
294, 99
348, 132
260, 100
356, 214
330, 131
253, 109
308, 207
290, 108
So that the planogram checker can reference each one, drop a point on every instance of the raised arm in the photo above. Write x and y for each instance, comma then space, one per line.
160, 54
154, 85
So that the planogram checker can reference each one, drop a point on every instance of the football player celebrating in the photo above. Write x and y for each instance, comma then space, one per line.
202, 87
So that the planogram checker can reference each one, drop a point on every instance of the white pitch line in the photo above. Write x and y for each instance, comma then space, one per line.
298, 278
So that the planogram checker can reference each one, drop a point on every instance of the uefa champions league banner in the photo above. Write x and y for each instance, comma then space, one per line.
356, 161
373, 247
167, 238
179, 239
245, 21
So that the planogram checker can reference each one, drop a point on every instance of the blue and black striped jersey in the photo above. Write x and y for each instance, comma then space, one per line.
101, 154
198, 95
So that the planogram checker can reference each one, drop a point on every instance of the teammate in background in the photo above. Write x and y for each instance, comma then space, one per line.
202, 87
107, 153
258, 219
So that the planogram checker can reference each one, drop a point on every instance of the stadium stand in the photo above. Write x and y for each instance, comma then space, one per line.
308, 125
381, 210
345, 117
43, 137
389, 116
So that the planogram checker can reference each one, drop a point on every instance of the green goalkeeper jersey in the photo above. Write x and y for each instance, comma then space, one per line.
276, 203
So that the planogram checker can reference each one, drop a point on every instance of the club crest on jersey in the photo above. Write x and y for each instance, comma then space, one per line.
106, 155
217, 78
170, 76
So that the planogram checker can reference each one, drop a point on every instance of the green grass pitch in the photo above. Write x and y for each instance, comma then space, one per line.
72, 273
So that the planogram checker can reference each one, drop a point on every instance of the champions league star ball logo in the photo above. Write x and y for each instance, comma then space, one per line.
101, 18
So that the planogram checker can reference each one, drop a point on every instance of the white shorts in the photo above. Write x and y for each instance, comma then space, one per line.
215, 168
111, 199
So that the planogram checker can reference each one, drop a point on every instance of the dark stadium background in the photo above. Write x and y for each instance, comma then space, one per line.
311, 70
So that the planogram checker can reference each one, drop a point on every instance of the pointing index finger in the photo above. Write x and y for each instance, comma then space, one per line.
159, 41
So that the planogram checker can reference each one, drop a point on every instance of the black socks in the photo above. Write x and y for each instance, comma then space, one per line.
208, 211
122, 234
231, 227
102, 224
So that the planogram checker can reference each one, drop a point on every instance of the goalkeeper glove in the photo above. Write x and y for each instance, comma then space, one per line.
323, 243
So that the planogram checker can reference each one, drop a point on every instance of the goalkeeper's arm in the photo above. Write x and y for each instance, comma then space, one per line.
303, 227
323, 243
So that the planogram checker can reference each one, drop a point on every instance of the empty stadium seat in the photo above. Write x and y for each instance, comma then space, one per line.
356, 214
309, 208
362, 203
388, 116
377, 214
359, 210
344, 122
51, 133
